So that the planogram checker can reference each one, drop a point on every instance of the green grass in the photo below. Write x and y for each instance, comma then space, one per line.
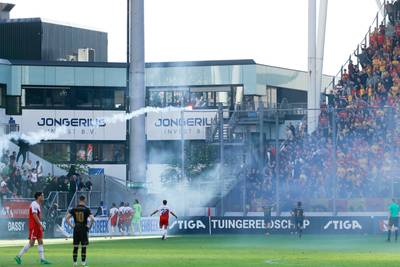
240, 251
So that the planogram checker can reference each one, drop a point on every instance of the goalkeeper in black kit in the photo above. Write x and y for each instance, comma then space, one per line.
298, 218
81, 227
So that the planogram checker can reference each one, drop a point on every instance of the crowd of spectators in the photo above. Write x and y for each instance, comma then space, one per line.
21, 179
358, 127
18, 180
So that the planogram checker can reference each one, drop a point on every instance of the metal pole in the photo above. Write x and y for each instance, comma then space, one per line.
182, 147
334, 143
383, 10
323, 11
379, 5
244, 193
392, 187
137, 137
183, 163
127, 100
221, 153
311, 92
261, 116
277, 174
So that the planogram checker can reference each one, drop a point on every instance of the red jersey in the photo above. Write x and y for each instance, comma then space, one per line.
34, 208
122, 214
164, 211
35, 229
114, 216
129, 213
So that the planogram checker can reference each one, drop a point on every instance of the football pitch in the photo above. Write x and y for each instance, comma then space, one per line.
234, 250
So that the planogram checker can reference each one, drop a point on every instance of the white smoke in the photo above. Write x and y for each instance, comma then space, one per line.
33, 138
128, 116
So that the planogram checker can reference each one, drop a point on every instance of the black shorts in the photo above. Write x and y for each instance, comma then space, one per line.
81, 237
394, 221
299, 223
267, 221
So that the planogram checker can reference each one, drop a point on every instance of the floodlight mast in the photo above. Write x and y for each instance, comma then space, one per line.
380, 4
315, 60
137, 137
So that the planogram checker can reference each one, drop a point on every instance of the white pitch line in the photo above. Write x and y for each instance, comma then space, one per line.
55, 241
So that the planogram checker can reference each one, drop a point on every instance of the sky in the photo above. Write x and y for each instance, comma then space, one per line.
272, 32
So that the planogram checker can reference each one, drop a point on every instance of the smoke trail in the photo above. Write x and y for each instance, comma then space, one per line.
33, 138
128, 116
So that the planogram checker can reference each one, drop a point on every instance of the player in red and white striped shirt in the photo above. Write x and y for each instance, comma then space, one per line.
164, 211
35, 229
113, 218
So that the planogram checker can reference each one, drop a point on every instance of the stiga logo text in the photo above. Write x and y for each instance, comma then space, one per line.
343, 225
191, 224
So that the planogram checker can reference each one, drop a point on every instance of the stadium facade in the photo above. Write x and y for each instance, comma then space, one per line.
40, 95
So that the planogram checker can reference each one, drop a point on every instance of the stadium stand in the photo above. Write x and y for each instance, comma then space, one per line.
363, 116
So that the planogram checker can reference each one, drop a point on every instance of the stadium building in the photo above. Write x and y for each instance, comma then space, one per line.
53, 84
40, 95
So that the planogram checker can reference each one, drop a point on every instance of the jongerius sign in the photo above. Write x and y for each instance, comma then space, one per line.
169, 125
80, 124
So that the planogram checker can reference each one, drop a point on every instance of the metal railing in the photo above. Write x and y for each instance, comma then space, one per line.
378, 20
93, 198
6, 128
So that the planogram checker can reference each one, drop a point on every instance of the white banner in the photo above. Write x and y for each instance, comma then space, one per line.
81, 124
169, 125
101, 227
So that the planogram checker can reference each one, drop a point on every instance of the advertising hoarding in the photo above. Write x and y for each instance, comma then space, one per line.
80, 124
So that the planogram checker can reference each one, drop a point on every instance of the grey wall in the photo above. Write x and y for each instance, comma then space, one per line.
58, 41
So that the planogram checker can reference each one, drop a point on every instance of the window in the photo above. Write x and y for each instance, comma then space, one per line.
108, 98
3, 92
239, 95
224, 98
165, 97
53, 152
197, 97
99, 152
34, 97
59, 97
156, 99
113, 152
88, 152
119, 99
95, 152
211, 99
13, 105
83, 97
271, 98
198, 100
